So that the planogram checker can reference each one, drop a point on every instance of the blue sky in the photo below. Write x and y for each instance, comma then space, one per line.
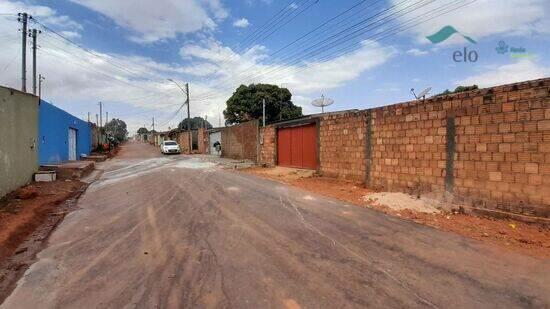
134, 46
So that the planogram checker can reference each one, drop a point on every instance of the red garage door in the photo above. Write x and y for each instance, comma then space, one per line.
297, 146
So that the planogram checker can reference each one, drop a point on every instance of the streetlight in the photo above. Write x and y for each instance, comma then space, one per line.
186, 92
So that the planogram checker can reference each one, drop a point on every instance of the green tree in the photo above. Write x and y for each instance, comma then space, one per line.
142, 130
117, 128
196, 122
246, 104
457, 90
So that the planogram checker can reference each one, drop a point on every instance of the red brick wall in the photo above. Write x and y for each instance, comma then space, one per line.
241, 141
183, 141
202, 141
408, 146
502, 146
342, 145
267, 146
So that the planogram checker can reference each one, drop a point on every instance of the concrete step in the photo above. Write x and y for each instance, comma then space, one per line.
70, 169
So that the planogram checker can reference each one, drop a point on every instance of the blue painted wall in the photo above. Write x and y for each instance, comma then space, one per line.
53, 134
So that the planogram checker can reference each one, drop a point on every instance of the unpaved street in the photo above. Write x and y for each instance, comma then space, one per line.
174, 232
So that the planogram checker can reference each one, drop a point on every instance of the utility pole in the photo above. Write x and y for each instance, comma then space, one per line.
106, 118
88, 116
100, 115
40, 80
186, 91
263, 112
153, 123
33, 33
96, 121
23, 18
188, 118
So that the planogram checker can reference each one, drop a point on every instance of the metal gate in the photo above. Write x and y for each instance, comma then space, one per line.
72, 144
297, 146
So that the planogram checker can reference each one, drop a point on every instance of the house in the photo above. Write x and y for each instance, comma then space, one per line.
61, 136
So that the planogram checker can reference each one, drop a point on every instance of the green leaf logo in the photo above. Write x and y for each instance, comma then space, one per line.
445, 33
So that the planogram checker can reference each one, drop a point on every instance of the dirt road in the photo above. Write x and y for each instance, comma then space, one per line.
173, 232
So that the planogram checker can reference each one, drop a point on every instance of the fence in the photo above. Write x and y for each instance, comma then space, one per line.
490, 147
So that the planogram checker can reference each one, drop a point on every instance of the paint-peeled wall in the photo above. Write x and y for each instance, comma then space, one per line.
53, 137
18, 146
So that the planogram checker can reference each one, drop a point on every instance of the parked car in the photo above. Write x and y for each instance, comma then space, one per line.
167, 147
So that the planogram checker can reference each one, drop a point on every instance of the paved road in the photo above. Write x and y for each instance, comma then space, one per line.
172, 232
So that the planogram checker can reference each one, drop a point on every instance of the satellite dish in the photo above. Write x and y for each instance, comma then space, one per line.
422, 94
322, 102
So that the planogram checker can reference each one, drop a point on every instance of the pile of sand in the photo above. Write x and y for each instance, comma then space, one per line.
401, 201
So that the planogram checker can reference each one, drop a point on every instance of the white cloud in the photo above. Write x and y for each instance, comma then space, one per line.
524, 69
241, 23
76, 80
43, 14
71, 34
417, 52
483, 18
162, 19
305, 80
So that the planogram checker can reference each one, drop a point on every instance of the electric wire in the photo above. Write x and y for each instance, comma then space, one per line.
288, 57
329, 56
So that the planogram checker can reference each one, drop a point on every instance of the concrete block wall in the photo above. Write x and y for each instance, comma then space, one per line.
18, 143
342, 142
241, 141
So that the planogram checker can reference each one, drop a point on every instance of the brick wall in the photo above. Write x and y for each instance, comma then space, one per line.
490, 147
202, 137
408, 146
183, 141
267, 146
342, 145
503, 148
241, 141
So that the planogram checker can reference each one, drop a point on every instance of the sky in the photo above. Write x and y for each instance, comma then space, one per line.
360, 53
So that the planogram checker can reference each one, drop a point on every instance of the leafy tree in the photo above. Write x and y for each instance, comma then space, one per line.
246, 104
457, 90
142, 130
196, 122
117, 128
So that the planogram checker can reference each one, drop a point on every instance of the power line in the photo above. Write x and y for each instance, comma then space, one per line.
331, 55
288, 57
86, 64
347, 49
273, 21
10, 62
100, 56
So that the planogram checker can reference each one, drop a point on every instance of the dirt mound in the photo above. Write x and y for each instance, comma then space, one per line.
401, 201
